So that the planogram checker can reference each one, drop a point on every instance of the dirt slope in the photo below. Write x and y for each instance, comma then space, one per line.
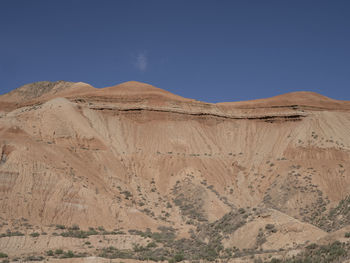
132, 157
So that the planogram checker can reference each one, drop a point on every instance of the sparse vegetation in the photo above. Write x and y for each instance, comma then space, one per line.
127, 194
75, 233
34, 258
270, 228
60, 253
336, 218
11, 234
112, 252
80, 233
188, 198
260, 238
74, 227
335, 252
35, 234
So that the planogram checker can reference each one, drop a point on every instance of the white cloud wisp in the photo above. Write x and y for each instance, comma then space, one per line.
141, 62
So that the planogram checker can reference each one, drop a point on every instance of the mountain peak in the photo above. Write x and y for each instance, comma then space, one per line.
304, 96
39, 89
132, 85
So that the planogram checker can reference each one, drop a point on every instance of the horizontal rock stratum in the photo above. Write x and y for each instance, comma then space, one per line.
140, 166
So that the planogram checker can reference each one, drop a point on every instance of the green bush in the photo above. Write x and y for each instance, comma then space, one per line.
34, 258
112, 252
3, 255
11, 234
101, 228
269, 226
138, 248
312, 246
241, 211
152, 244
35, 234
81, 233
58, 251
68, 254
179, 257
74, 227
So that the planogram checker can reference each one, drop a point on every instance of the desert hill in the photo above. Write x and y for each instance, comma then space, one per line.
133, 171
294, 99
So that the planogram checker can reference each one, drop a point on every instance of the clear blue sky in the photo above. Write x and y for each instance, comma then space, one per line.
207, 50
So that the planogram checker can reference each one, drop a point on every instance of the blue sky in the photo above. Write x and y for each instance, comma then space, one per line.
207, 50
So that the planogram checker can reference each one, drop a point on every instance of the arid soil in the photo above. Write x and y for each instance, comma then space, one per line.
131, 172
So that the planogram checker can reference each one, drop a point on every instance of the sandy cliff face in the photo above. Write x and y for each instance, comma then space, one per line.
133, 156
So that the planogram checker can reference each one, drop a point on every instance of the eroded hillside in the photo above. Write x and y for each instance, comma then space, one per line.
133, 171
